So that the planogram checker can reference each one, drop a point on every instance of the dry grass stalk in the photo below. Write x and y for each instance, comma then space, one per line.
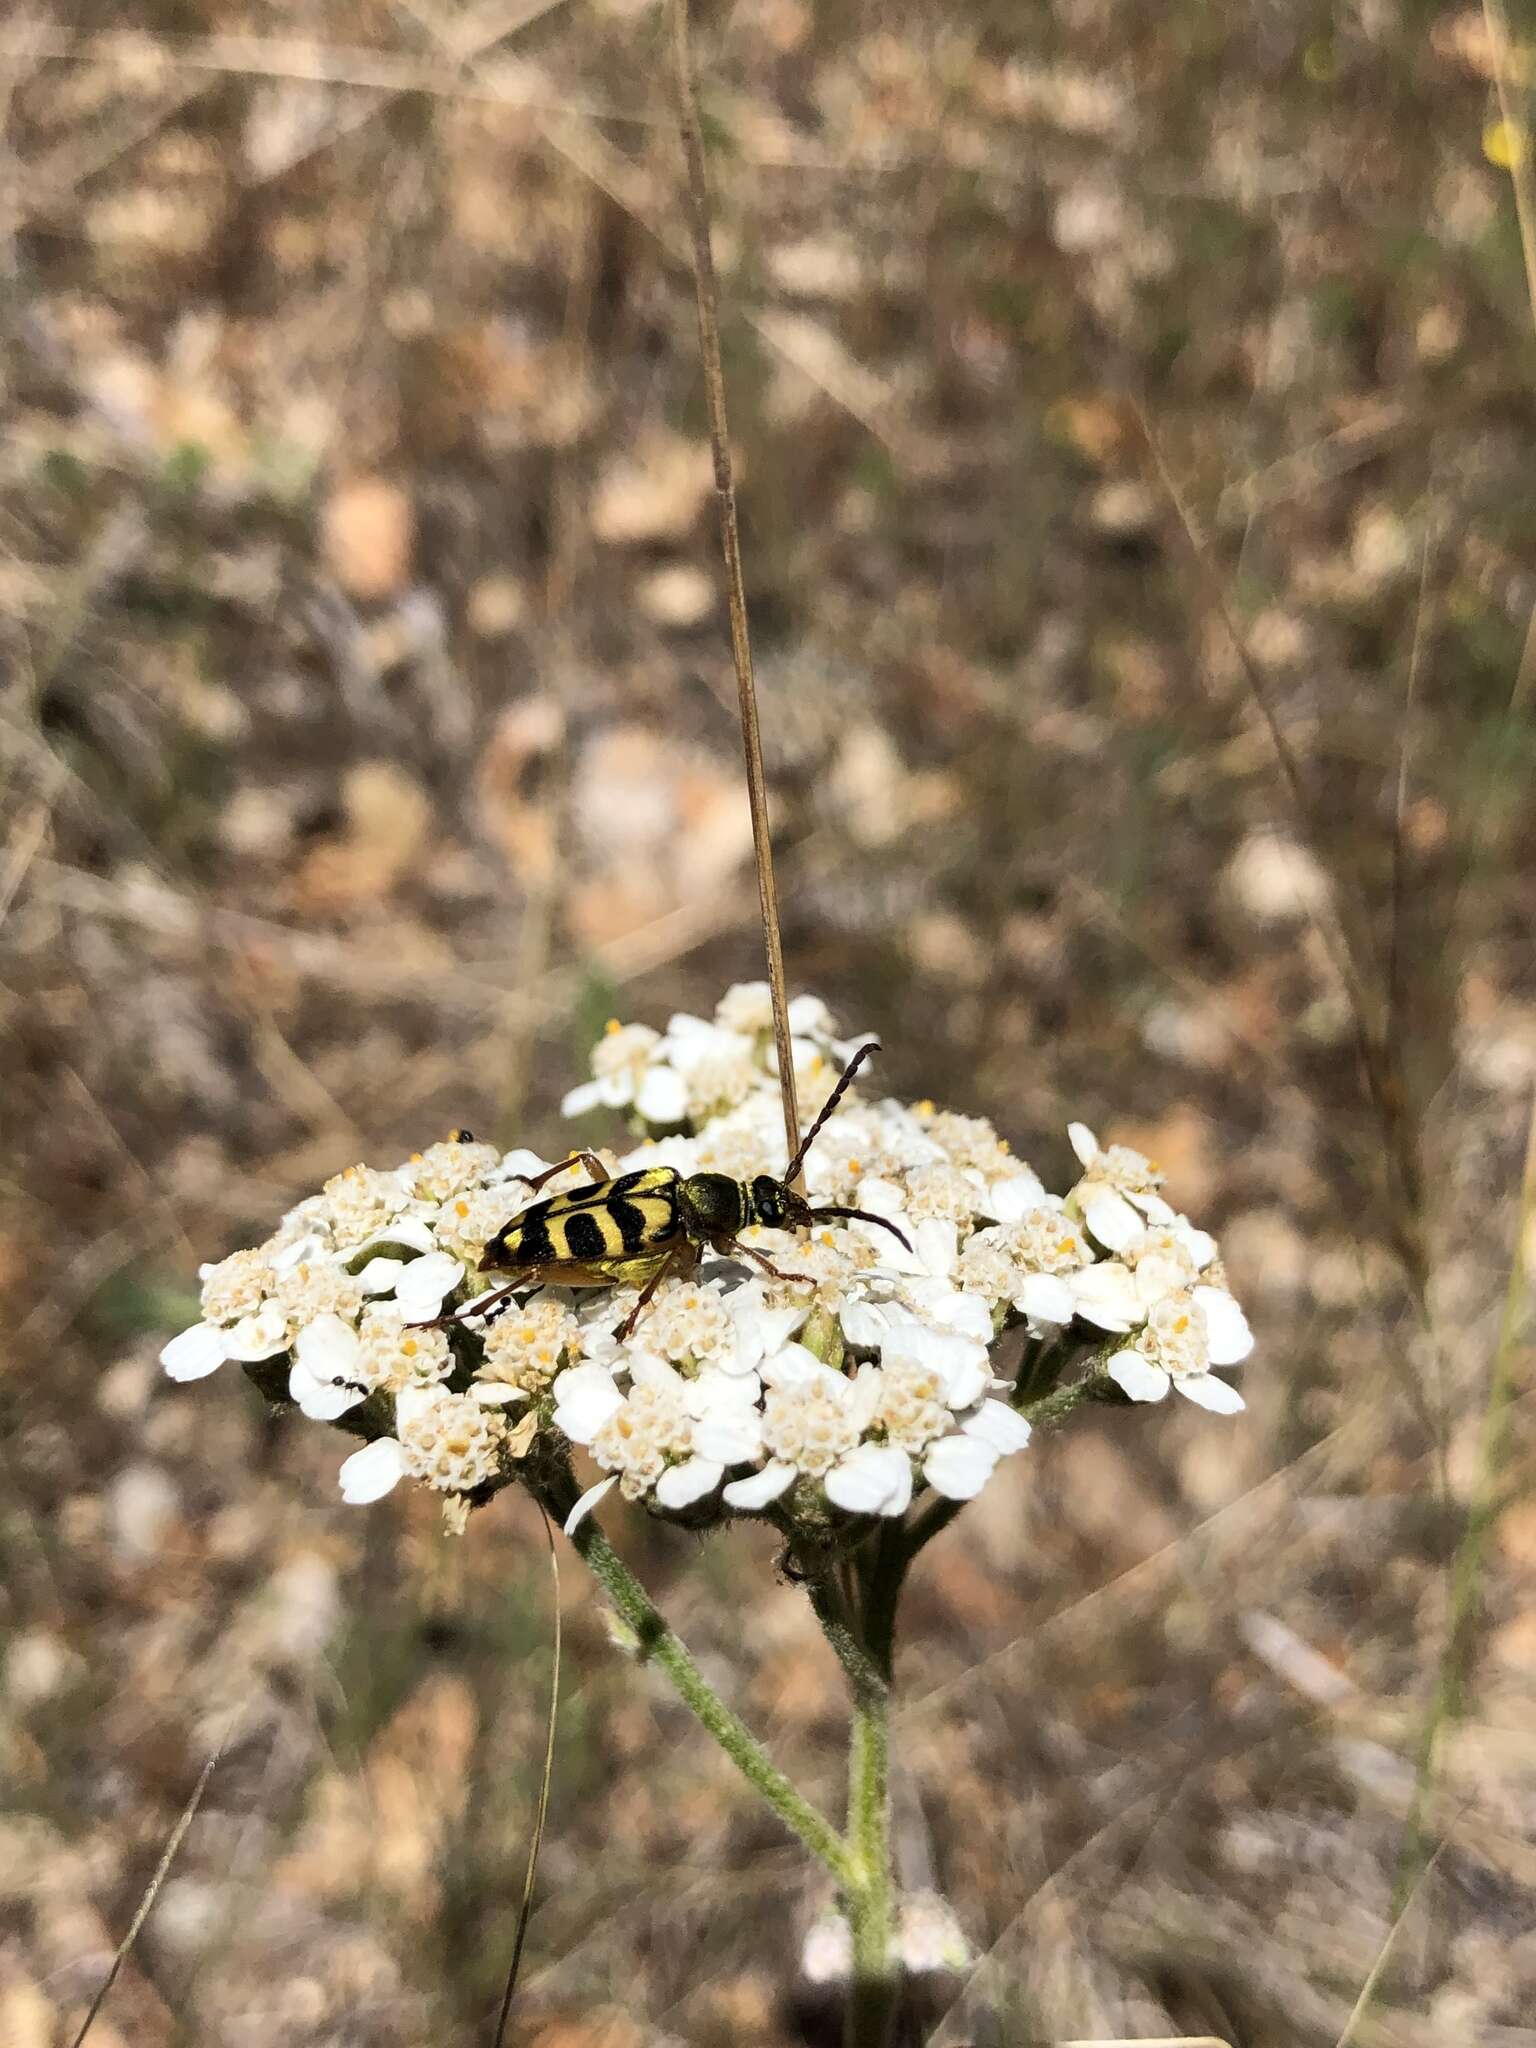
530, 1875
1344, 939
707, 294
1467, 1565
162, 1869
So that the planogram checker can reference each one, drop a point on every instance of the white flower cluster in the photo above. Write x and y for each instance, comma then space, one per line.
696, 1071
859, 1370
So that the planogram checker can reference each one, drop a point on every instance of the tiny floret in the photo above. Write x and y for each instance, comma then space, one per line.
451, 1443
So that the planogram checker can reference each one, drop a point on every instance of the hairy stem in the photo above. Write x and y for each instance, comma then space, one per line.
658, 1644
861, 1639
876, 1980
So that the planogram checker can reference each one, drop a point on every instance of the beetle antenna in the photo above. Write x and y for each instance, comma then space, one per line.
864, 1216
844, 1078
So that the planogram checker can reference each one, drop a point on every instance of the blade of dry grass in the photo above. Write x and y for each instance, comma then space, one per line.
1397, 992
1519, 155
304, 60
1467, 1565
22, 846
162, 1869
1148, 2041
530, 1875
707, 296
1337, 1444
1345, 941
1362, 2004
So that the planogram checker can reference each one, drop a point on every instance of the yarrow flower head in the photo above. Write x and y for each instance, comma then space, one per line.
825, 1377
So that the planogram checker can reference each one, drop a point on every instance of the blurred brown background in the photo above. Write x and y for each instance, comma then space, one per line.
368, 737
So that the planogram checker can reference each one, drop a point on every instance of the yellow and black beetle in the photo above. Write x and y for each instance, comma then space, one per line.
636, 1229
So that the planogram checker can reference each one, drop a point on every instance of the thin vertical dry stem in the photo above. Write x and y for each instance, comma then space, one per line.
530, 1874
707, 295
1362, 2004
1345, 940
1519, 154
1397, 993
1467, 1566
1486, 812
162, 1869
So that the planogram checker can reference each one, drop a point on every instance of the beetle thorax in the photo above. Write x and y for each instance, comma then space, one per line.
715, 1205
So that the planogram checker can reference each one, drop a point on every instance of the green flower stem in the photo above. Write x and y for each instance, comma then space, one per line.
876, 1977
871, 1908
860, 1633
659, 1645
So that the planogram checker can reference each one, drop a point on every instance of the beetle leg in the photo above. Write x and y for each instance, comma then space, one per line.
589, 1160
746, 1251
494, 1305
678, 1261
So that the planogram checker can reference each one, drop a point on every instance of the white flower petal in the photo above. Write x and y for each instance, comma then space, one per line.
809, 1017
966, 1314
760, 1330
1200, 1244
414, 1232
729, 1439
522, 1164
1106, 1296
861, 1397
680, 1485
1109, 1216
195, 1353
792, 1366
959, 1466
1138, 1376
329, 1349
313, 1245
867, 1323
412, 1403
1206, 1391
960, 1362
662, 1097
262, 1335
585, 1398
997, 1424
370, 1473
579, 1101
381, 1276
1083, 1143
588, 1502
937, 1244
1011, 1196
690, 1041
321, 1400
759, 1488
422, 1286
875, 1479
1228, 1336
647, 1370
1046, 1298
496, 1393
